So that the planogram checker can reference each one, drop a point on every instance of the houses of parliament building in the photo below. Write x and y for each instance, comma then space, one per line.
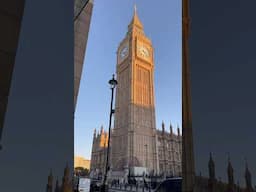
135, 141
169, 152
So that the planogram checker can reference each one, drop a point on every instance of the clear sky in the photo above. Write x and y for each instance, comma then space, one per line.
109, 22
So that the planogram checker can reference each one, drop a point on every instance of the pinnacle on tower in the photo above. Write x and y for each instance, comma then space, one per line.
135, 20
171, 129
65, 180
246, 164
247, 177
211, 167
57, 187
94, 134
163, 126
66, 171
50, 177
178, 129
101, 129
50, 182
230, 172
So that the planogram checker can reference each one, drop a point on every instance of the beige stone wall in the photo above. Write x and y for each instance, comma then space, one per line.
169, 153
99, 151
81, 162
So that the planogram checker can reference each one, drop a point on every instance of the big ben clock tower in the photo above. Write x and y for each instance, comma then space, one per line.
134, 134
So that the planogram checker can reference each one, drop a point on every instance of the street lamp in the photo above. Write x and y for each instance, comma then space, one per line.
146, 147
113, 83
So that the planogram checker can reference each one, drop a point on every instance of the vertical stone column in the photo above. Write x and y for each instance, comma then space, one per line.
188, 172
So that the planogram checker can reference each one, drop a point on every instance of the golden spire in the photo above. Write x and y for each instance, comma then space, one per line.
135, 20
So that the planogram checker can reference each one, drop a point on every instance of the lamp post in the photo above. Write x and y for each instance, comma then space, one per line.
113, 83
146, 147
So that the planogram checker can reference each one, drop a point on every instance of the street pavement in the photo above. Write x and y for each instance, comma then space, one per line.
116, 189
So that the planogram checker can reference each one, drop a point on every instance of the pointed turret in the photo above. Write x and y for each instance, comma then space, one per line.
135, 20
211, 180
211, 168
106, 139
230, 173
178, 129
171, 133
101, 130
94, 134
248, 178
66, 171
103, 137
66, 176
163, 129
65, 180
57, 187
50, 182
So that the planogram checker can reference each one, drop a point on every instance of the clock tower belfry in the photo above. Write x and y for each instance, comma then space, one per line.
134, 133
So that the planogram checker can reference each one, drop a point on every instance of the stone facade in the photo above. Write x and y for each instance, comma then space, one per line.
82, 162
99, 152
135, 141
211, 184
134, 134
65, 186
169, 152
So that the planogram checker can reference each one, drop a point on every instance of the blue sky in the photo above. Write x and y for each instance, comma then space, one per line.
109, 22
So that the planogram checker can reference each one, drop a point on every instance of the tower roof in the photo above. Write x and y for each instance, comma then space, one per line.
135, 19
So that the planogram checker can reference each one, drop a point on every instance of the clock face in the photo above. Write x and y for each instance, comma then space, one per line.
124, 52
144, 51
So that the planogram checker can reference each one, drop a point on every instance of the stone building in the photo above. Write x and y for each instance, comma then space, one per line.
136, 144
65, 186
212, 184
99, 153
134, 133
82, 162
169, 151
